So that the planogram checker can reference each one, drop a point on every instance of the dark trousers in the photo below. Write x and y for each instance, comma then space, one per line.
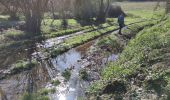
120, 28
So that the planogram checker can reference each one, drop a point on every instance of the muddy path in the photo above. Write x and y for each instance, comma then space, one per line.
60, 39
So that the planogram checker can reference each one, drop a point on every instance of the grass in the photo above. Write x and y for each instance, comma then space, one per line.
55, 82
147, 52
14, 34
66, 74
83, 74
82, 38
22, 66
131, 6
28, 96
70, 31
40, 95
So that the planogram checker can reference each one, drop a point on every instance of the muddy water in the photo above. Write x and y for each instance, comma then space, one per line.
75, 87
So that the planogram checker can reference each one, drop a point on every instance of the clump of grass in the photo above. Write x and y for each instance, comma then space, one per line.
44, 91
66, 74
57, 51
46, 29
55, 82
53, 90
14, 34
83, 74
33, 96
23, 65
112, 44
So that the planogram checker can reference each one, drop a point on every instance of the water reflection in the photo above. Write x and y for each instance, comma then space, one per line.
67, 60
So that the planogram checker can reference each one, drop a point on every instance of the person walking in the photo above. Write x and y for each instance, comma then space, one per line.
121, 22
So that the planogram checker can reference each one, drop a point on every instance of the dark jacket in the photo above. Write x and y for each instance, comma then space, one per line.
121, 19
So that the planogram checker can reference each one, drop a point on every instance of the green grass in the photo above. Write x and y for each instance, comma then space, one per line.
55, 82
14, 34
28, 96
4, 17
83, 74
66, 74
148, 51
71, 31
22, 66
82, 38
146, 39
42, 94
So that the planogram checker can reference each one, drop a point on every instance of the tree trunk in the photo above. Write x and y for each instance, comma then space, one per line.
101, 16
33, 23
13, 16
168, 6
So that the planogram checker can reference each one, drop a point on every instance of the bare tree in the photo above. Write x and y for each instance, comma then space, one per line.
33, 11
84, 9
11, 7
103, 9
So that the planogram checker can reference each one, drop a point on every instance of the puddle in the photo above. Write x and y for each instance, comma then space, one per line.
75, 87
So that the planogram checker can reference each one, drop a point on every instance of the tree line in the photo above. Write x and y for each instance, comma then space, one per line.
34, 10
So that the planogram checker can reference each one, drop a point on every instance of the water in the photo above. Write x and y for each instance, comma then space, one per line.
74, 88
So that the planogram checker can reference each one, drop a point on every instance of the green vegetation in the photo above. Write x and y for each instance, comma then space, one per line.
55, 82
28, 96
83, 74
40, 95
66, 74
146, 55
82, 38
14, 34
22, 66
